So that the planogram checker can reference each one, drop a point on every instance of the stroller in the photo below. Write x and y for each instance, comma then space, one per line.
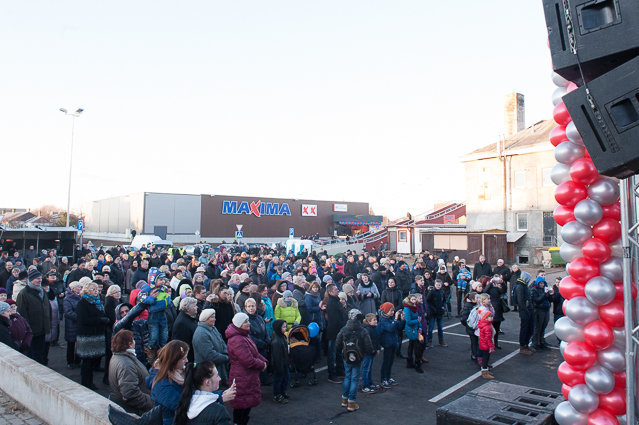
301, 356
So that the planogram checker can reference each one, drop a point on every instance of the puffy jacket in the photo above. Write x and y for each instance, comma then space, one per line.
312, 302
404, 279
20, 332
522, 295
411, 317
540, 298
165, 393
279, 351
5, 335
268, 314
392, 295
485, 335
388, 329
126, 380
363, 339
208, 344
213, 413
258, 333
375, 337
246, 365
290, 314
463, 277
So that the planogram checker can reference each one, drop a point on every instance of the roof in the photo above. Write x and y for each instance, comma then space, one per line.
532, 139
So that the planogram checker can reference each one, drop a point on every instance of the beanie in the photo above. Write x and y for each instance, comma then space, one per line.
343, 296
3, 291
4, 307
239, 319
206, 314
23, 275
34, 274
242, 286
326, 278
386, 307
287, 294
347, 288
352, 315
285, 275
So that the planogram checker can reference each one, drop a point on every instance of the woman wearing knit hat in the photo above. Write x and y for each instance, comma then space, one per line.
246, 364
389, 326
20, 330
5, 335
287, 309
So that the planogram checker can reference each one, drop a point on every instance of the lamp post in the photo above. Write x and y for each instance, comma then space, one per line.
73, 115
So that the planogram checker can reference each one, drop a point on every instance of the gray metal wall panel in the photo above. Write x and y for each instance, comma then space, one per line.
180, 213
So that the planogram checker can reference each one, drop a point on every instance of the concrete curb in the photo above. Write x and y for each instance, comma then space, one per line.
52, 397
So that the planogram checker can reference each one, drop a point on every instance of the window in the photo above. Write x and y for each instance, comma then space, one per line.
545, 177
402, 235
522, 222
520, 179
550, 229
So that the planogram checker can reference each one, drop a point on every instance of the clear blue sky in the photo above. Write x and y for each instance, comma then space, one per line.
347, 100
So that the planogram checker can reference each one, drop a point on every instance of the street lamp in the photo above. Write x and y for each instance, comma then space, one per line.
73, 115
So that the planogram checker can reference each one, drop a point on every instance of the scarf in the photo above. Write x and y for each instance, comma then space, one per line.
177, 377
36, 288
94, 300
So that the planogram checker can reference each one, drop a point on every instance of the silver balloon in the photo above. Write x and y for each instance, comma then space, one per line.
588, 212
622, 419
560, 173
573, 134
570, 252
581, 311
600, 290
562, 346
576, 233
568, 152
612, 268
558, 94
616, 249
620, 338
568, 331
583, 399
600, 380
565, 414
604, 190
559, 81
612, 359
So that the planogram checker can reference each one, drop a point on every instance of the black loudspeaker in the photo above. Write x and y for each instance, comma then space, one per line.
605, 33
610, 131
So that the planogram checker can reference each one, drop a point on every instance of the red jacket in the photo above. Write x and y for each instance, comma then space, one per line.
485, 335
246, 365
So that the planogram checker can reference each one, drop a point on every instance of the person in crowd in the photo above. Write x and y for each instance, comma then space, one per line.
208, 344
368, 295
15, 275
246, 365
470, 303
447, 282
166, 378
557, 303
495, 289
502, 270
244, 293
356, 344
370, 325
389, 325
524, 304
142, 272
392, 294
486, 344
299, 292
5, 324
33, 305
463, 284
515, 274
258, 332
73, 295
158, 321
413, 332
403, 278
281, 287
313, 303
280, 362
19, 328
111, 301
541, 298
336, 316
51, 336
287, 309
127, 375
90, 340
436, 308
186, 323
132, 318
482, 268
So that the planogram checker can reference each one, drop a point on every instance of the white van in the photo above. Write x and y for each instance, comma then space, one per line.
145, 240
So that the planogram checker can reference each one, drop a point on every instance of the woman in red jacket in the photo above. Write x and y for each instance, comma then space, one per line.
246, 365
486, 342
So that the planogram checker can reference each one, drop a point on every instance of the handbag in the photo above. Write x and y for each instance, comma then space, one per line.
504, 305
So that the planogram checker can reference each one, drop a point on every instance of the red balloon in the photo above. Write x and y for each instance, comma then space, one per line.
614, 402
620, 379
584, 171
565, 390
563, 215
561, 115
571, 86
563, 306
612, 313
598, 335
608, 229
568, 375
569, 193
583, 269
558, 135
619, 293
569, 288
596, 249
602, 417
580, 355
612, 211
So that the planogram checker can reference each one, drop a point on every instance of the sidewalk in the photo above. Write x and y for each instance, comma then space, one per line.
11, 413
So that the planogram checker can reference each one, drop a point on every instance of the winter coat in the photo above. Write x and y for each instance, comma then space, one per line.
279, 352
126, 380
503, 271
411, 317
209, 345
268, 314
404, 279
363, 339
463, 278
367, 304
468, 307
290, 314
20, 332
381, 280
299, 295
90, 342
314, 312
522, 295
165, 393
70, 315
388, 328
183, 329
212, 411
18, 286
336, 316
435, 303
224, 313
482, 270
486, 329
258, 333
5, 335
392, 295
540, 298
375, 337
496, 294
246, 365
36, 310
133, 321
557, 302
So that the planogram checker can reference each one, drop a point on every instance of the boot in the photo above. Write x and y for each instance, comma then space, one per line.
486, 374
352, 406
429, 344
525, 351
442, 343
344, 401
419, 369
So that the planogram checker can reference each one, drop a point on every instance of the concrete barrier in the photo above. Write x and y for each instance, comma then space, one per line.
52, 397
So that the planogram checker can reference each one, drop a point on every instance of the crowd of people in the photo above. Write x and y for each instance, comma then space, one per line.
169, 329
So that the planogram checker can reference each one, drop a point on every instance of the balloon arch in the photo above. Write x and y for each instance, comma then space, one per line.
593, 331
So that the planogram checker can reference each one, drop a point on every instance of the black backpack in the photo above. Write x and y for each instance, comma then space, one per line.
351, 350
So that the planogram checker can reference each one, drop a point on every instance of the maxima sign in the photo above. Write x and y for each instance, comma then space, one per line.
257, 208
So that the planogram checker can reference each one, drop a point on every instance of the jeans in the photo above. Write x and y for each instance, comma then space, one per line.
525, 326
351, 380
158, 329
280, 381
367, 371
335, 368
387, 362
541, 321
431, 325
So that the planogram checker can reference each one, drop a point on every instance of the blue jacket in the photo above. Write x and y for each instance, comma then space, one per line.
412, 323
166, 394
313, 309
268, 314
388, 329
463, 277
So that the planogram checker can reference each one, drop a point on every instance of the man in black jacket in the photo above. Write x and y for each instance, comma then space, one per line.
525, 306
33, 305
502, 270
403, 278
482, 268
336, 315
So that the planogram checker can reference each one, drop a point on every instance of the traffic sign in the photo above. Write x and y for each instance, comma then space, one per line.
239, 227
291, 232
239, 234
80, 224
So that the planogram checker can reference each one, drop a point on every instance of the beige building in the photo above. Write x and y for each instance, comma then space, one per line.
508, 187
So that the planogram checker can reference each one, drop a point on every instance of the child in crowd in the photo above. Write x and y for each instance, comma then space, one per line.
486, 342
389, 325
370, 324
157, 322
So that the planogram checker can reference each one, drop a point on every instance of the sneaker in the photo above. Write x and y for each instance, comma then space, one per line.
392, 381
285, 396
442, 344
386, 385
352, 406
335, 380
376, 387
368, 390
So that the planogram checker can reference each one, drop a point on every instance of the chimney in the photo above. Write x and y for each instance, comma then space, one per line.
514, 114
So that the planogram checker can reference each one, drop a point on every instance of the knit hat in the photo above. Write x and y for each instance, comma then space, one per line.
34, 274
201, 269
23, 275
342, 295
287, 294
154, 275
4, 307
239, 319
400, 263
242, 285
3, 291
347, 288
206, 314
10, 302
386, 307
326, 278
352, 315
52, 273
285, 275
